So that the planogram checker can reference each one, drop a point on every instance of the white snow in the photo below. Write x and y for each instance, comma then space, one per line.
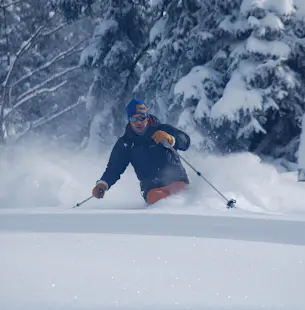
187, 123
191, 86
92, 50
154, 3
51, 14
186, 252
272, 48
282, 7
252, 126
270, 20
104, 26
253, 22
118, 49
233, 27
100, 271
204, 35
300, 5
58, 179
144, 79
158, 28
237, 96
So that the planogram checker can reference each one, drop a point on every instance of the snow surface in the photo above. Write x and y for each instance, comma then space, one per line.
104, 271
186, 252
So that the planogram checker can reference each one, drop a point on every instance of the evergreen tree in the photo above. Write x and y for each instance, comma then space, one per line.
263, 98
229, 72
113, 53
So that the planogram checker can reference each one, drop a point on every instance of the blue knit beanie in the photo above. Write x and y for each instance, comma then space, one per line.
136, 106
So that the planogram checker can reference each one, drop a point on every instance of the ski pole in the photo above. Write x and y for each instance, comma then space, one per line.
230, 203
82, 202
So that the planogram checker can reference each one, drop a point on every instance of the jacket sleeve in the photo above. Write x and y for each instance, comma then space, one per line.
182, 140
118, 162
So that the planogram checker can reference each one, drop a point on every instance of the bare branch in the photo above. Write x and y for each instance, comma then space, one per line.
51, 62
44, 121
38, 86
14, 28
10, 97
32, 95
23, 48
6, 36
69, 108
50, 32
4, 6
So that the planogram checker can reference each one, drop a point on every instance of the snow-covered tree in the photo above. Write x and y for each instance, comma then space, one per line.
263, 98
118, 41
230, 72
176, 80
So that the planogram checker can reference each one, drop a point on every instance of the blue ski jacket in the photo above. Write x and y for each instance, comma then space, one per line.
154, 165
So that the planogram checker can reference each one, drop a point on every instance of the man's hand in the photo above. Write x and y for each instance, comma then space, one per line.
99, 189
163, 137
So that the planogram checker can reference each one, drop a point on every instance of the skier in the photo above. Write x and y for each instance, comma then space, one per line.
145, 144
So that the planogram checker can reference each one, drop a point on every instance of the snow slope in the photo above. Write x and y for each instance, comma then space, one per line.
188, 252
104, 271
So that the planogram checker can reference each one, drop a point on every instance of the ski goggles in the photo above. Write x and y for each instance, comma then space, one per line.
140, 118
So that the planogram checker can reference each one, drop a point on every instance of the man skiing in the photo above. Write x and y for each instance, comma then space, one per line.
145, 144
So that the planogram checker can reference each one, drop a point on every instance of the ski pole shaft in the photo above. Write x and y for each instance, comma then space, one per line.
82, 202
230, 203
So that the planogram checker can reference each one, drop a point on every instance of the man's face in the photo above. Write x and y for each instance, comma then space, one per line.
139, 122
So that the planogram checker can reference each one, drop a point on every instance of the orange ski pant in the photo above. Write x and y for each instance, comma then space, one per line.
157, 194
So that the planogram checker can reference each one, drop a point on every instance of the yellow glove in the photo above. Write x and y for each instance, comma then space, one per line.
99, 189
163, 137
